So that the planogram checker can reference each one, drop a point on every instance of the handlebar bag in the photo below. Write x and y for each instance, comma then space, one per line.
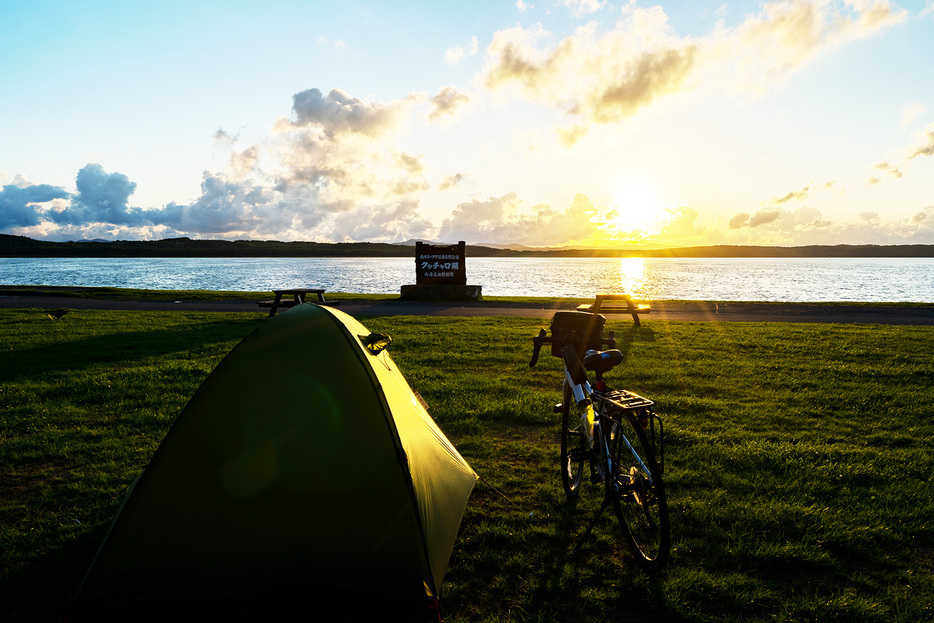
582, 330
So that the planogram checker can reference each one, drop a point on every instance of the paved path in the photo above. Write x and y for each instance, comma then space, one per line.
661, 311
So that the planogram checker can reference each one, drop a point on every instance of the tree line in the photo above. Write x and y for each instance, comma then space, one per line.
21, 246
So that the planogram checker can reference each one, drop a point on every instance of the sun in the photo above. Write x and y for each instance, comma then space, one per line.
636, 207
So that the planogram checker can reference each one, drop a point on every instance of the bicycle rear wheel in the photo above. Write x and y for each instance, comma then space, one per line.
637, 493
573, 445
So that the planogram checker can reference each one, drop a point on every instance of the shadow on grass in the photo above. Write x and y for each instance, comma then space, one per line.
120, 347
627, 337
525, 566
43, 588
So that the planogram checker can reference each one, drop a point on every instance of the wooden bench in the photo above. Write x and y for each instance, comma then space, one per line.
298, 297
622, 304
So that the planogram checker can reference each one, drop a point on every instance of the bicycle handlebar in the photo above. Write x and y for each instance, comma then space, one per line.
538, 340
542, 338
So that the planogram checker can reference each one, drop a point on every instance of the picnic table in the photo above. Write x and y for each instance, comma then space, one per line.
622, 304
298, 297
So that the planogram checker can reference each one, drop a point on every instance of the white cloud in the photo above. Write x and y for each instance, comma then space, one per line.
454, 55
580, 8
505, 220
807, 226
452, 181
447, 104
607, 77
923, 147
911, 112
329, 173
339, 113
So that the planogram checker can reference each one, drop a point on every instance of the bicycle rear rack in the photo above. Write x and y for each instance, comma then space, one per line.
642, 410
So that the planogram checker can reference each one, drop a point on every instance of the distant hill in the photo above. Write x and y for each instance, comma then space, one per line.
20, 246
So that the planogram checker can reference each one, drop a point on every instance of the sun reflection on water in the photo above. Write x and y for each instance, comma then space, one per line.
631, 275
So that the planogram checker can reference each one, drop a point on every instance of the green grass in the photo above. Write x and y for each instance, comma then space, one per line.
798, 461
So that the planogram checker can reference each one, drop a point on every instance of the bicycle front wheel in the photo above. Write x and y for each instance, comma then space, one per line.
573, 445
637, 493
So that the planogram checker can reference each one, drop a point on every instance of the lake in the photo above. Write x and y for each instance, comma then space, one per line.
721, 279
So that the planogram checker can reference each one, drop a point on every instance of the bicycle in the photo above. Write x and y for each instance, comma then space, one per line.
617, 432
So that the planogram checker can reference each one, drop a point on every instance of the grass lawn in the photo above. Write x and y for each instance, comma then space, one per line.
798, 461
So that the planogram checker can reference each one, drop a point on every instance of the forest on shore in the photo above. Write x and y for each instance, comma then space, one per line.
21, 246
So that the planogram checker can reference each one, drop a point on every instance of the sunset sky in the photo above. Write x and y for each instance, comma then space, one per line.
535, 122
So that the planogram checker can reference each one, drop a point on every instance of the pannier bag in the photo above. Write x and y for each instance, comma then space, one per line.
581, 329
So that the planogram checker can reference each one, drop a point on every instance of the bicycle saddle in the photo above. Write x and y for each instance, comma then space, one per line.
601, 361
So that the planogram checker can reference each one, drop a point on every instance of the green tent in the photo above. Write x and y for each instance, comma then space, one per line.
304, 464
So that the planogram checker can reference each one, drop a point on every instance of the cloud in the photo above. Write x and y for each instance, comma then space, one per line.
680, 224
910, 113
447, 103
328, 173
887, 168
222, 136
799, 195
763, 217
224, 207
580, 8
21, 205
339, 113
923, 147
924, 217
598, 80
452, 181
503, 220
454, 55
102, 198
806, 226
739, 220
787, 35
242, 163
606, 78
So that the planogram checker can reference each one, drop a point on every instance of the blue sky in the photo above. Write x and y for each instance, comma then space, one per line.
549, 123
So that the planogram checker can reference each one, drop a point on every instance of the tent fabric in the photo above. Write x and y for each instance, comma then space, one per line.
303, 461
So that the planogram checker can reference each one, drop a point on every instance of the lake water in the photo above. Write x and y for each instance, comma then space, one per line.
720, 279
